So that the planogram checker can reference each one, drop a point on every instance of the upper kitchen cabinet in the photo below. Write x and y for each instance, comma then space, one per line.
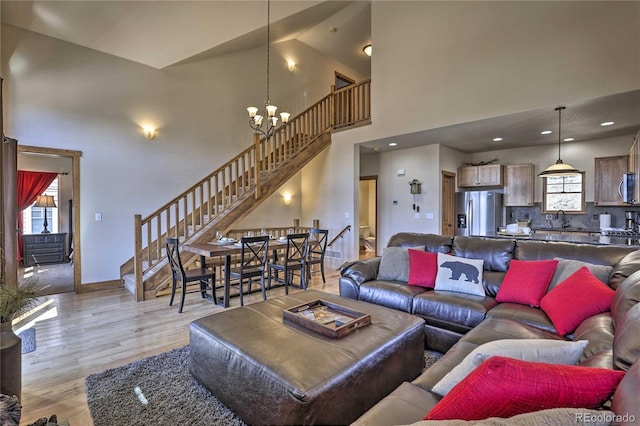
519, 185
608, 173
487, 175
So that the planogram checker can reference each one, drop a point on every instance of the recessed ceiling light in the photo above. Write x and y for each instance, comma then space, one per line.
368, 49
607, 123
497, 139
568, 139
546, 132
393, 144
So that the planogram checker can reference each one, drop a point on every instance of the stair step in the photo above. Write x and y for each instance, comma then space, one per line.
129, 281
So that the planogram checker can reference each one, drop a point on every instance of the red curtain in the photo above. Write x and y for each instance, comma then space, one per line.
30, 185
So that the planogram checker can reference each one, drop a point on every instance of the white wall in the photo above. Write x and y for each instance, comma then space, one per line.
334, 199
395, 202
65, 96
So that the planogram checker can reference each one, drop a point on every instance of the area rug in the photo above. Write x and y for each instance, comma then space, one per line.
28, 338
159, 390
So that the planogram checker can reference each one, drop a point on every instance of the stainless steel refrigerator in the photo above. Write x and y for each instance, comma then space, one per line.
478, 213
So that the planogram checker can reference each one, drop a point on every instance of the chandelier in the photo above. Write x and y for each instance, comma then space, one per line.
256, 121
559, 169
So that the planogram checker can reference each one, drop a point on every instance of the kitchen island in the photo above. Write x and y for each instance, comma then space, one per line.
574, 235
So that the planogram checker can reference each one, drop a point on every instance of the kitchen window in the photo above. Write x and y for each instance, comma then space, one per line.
563, 193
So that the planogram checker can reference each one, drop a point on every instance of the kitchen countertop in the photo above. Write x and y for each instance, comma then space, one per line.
570, 229
571, 238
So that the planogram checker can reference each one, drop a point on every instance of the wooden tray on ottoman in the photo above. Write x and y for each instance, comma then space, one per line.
329, 319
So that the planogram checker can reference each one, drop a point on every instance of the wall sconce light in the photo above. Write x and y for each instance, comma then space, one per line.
368, 50
287, 199
291, 65
149, 132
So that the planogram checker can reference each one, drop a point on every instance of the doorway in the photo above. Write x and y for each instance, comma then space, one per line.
63, 276
448, 203
342, 80
368, 215
342, 100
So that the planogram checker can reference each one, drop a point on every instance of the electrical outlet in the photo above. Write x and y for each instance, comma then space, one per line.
595, 217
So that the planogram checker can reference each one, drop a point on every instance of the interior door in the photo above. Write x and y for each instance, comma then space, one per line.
448, 203
368, 215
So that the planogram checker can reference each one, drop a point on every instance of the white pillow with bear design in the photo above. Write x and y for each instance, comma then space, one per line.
459, 274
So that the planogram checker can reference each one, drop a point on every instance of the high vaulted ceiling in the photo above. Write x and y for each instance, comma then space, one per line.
162, 33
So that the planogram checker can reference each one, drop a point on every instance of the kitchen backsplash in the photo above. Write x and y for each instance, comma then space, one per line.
590, 220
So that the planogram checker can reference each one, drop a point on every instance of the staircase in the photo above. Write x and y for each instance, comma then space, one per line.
230, 193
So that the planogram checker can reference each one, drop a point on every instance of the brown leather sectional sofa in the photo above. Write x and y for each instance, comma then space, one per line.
457, 323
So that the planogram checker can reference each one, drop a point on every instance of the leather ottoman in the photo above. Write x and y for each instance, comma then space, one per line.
269, 372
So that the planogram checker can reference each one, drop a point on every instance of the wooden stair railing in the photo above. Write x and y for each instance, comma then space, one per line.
215, 194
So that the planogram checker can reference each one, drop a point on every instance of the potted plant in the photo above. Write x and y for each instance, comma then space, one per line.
13, 302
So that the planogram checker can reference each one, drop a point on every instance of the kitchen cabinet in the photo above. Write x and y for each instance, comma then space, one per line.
608, 173
487, 175
519, 185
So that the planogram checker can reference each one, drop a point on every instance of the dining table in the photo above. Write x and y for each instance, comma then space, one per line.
226, 249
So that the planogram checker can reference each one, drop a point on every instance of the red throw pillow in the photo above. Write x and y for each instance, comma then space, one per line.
423, 268
526, 281
575, 299
505, 387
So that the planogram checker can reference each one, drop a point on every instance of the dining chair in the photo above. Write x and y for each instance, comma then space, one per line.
206, 277
315, 254
295, 259
253, 261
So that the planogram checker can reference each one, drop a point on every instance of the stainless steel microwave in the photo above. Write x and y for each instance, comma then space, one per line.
626, 188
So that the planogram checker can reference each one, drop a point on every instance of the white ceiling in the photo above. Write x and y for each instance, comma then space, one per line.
580, 121
162, 33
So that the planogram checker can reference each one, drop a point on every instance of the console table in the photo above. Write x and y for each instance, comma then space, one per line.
44, 248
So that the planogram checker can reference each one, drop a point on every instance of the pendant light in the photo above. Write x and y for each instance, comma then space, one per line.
559, 169
257, 120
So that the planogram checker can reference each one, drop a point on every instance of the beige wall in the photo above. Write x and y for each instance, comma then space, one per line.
65, 96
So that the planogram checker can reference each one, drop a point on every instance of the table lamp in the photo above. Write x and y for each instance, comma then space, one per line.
45, 201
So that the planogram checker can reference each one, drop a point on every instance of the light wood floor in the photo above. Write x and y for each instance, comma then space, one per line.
88, 333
